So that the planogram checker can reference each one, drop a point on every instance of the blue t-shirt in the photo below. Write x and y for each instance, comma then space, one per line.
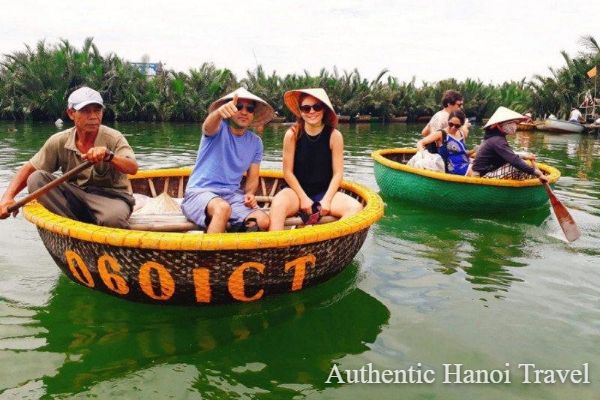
224, 158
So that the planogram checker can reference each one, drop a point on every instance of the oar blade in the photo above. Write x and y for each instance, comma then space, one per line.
565, 220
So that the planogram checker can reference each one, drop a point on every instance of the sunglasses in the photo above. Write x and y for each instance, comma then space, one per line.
453, 125
249, 107
306, 108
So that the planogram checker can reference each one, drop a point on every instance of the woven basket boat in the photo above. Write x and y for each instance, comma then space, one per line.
188, 268
455, 192
526, 126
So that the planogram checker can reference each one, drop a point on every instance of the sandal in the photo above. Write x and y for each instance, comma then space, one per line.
249, 225
311, 219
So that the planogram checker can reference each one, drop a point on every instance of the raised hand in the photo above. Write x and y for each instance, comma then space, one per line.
228, 109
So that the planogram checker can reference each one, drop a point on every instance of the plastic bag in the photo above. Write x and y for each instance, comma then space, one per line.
425, 160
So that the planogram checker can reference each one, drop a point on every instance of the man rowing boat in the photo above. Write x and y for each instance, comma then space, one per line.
101, 194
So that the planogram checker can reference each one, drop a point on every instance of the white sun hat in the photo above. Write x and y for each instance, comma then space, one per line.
503, 114
262, 114
82, 97
291, 99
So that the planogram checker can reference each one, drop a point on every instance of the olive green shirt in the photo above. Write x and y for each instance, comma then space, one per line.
60, 152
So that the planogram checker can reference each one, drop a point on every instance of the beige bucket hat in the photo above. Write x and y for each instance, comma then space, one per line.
503, 114
262, 114
291, 98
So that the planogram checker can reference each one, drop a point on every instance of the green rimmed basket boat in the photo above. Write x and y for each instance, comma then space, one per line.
200, 268
464, 193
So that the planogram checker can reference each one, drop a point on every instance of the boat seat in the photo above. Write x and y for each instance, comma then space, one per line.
178, 223
163, 214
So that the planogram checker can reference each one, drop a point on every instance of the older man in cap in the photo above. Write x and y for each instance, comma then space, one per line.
100, 194
228, 149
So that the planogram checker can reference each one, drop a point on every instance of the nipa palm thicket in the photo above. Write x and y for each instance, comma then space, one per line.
35, 83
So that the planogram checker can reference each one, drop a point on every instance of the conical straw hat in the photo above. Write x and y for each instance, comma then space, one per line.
291, 99
503, 114
262, 114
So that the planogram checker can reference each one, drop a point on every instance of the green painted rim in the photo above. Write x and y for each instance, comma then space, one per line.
440, 190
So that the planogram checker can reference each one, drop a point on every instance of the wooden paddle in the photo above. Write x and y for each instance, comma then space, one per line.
46, 188
565, 220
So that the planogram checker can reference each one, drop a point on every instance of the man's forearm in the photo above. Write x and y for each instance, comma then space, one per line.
125, 165
212, 122
251, 186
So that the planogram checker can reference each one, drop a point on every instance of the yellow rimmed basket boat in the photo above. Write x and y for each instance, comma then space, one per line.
455, 192
199, 268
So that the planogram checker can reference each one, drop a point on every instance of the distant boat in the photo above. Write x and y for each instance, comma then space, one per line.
526, 126
343, 118
363, 118
560, 126
423, 118
398, 119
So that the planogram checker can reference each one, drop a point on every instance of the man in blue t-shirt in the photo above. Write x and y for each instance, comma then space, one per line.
228, 149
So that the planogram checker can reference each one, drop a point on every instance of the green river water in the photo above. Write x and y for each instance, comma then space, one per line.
428, 288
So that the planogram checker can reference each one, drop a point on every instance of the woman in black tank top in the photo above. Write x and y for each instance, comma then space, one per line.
313, 161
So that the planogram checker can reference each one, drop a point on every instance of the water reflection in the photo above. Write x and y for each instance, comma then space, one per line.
484, 248
292, 340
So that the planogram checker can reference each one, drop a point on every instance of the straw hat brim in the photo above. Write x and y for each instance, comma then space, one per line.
262, 114
503, 114
291, 99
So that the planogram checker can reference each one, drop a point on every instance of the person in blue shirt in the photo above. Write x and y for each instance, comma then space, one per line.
452, 149
228, 149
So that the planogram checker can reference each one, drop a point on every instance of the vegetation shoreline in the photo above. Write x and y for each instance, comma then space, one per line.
35, 83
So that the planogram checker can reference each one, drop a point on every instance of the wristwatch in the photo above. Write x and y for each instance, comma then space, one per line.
109, 156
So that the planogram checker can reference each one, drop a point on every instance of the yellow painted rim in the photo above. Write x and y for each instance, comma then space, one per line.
371, 213
379, 156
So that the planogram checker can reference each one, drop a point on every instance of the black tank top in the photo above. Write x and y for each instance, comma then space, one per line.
312, 161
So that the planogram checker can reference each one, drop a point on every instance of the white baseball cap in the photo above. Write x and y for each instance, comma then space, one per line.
84, 96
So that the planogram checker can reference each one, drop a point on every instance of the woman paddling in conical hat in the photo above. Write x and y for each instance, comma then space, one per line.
228, 149
313, 162
495, 158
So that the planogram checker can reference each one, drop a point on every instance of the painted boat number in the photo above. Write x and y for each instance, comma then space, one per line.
109, 272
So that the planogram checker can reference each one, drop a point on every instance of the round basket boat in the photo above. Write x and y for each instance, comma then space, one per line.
455, 192
526, 126
200, 268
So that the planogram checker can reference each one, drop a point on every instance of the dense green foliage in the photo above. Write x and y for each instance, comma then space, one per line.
567, 85
35, 83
